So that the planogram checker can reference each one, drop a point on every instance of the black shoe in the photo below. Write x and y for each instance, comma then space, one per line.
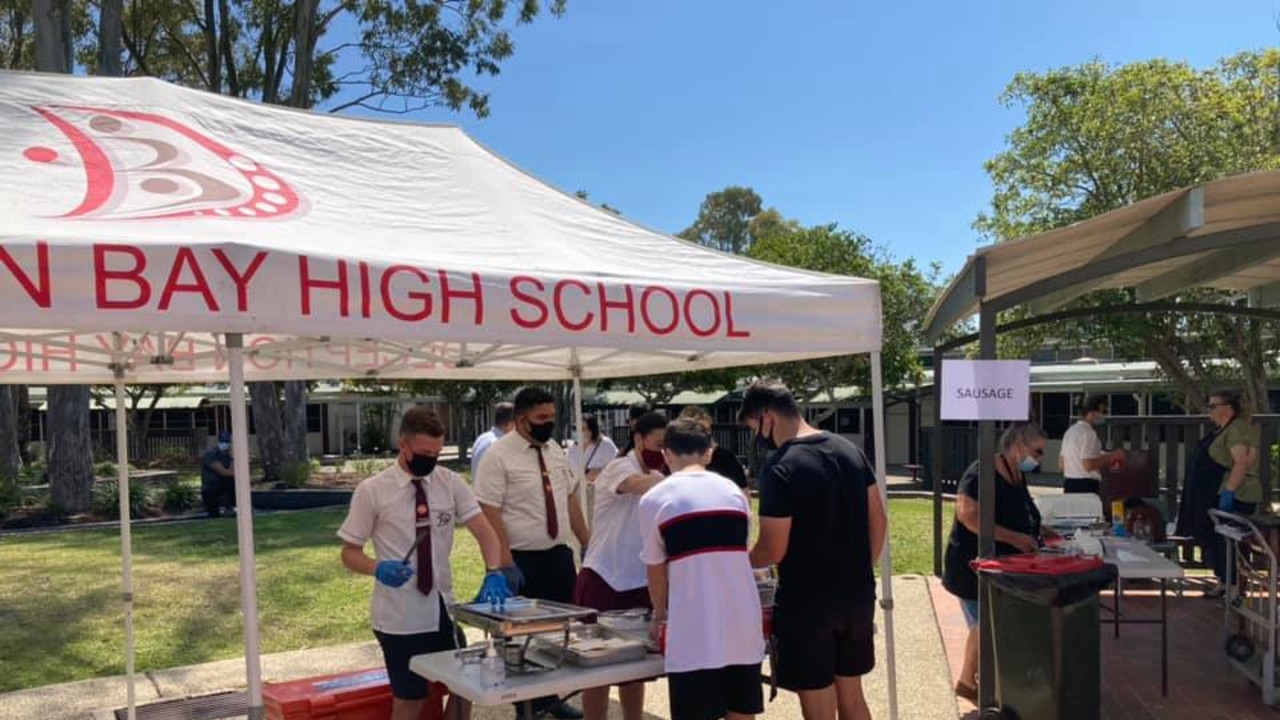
564, 711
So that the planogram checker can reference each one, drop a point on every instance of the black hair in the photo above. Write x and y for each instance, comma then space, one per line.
635, 412
647, 423
504, 413
1234, 398
592, 424
1094, 403
686, 436
531, 397
768, 395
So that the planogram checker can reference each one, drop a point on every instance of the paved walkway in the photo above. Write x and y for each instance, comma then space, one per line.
923, 676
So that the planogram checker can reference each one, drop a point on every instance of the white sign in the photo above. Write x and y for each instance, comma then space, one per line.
986, 389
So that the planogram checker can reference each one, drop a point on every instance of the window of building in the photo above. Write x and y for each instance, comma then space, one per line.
1055, 413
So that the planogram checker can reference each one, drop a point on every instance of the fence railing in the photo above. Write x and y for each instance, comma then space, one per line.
188, 443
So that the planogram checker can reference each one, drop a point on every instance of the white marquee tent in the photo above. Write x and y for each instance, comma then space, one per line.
154, 234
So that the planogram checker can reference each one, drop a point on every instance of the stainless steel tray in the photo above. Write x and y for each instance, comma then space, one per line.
593, 646
520, 616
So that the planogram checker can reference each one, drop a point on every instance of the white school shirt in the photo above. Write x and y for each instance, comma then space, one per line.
598, 457
383, 509
697, 523
1080, 442
510, 479
479, 447
614, 550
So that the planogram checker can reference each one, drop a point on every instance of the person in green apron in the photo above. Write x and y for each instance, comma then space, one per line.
1225, 463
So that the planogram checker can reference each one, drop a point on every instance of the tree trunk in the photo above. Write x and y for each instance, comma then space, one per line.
304, 51
268, 428
110, 29
22, 398
53, 35
211, 46
10, 455
295, 423
70, 454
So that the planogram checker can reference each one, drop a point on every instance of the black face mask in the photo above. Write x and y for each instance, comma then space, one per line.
764, 442
421, 465
542, 432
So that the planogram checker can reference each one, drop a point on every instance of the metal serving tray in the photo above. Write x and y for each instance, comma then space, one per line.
593, 646
520, 616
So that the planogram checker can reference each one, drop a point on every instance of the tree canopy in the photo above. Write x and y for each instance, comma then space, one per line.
1097, 137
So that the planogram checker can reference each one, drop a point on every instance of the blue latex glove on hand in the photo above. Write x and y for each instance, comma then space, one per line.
494, 589
514, 578
1227, 501
393, 573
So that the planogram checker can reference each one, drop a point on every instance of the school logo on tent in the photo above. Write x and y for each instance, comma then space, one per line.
140, 166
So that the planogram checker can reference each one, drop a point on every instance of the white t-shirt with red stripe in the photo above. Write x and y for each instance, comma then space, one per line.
697, 523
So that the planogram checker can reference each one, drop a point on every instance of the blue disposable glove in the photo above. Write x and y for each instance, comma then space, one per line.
1227, 501
393, 573
514, 578
494, 589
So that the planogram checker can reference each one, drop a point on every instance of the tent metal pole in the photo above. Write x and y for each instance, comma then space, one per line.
886, 557
987, 517
244, 524
126, 537
935, 460
586, 496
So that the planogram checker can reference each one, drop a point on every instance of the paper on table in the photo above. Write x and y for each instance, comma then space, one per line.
1128, 556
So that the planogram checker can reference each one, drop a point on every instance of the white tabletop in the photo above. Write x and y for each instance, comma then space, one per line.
446, 668
1135, 560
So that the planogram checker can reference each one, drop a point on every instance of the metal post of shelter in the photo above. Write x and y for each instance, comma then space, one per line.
987, 512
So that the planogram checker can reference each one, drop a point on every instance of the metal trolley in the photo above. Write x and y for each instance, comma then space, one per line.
1249, 616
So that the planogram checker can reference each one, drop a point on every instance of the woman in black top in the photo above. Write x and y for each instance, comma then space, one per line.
723, 462
1017, 530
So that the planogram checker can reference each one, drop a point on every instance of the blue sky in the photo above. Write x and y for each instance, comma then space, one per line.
875, 115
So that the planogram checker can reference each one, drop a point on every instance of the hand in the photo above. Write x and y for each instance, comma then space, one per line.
1227, 501
1024, 543
494, 589
393, 573
514, 578
655, 628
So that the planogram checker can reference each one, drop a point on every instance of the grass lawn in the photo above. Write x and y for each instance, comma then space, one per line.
60, 615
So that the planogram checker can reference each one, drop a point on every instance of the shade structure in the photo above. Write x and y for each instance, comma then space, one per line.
155, 234
343, 247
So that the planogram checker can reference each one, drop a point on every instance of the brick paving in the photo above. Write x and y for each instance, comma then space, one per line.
1201, 684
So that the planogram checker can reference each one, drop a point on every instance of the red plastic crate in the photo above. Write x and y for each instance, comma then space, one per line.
361, 695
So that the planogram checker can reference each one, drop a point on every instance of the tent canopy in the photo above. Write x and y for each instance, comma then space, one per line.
1224, 234
344, 248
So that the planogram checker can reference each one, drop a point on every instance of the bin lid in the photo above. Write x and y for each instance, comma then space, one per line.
1038, 564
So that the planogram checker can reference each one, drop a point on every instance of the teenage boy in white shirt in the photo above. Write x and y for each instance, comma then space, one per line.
408, 510
695, 526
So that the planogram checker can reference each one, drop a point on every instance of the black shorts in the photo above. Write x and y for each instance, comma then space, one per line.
710, 694
398, 650
816, 645
1080, 485
548, 574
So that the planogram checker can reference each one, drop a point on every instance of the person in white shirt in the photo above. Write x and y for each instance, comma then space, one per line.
504, 417
409, 510
613, 576
694, 527
531, 497
1082, 458
590, 456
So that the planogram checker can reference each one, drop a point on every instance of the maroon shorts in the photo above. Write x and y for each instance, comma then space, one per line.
593, 592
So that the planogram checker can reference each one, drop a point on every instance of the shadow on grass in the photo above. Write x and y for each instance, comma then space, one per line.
50, 638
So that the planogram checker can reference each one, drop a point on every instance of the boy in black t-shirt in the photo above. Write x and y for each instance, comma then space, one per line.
823, 523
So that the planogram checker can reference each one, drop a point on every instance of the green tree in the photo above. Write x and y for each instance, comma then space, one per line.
1097, 137
730, 220
906, 294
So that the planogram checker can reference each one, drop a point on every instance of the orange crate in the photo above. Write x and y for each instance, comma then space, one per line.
362, 695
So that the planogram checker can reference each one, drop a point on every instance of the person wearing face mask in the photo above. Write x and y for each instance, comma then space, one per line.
1018, 530
531, 497
217, 478
1082, 458
823, 524
613, 576
409, 511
